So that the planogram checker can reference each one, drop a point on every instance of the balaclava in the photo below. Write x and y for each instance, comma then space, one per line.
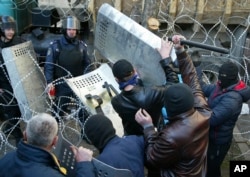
228, 74
99, 130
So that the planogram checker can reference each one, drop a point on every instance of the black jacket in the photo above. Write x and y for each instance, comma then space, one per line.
127, 103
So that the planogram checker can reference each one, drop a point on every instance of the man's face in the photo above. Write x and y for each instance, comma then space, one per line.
71, 33
9, 33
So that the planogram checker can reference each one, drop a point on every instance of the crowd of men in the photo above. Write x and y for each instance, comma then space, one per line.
193, 142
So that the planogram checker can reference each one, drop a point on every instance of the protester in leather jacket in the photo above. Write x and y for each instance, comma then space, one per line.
134, 95
179, 150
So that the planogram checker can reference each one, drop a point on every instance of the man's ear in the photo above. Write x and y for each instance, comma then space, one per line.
135, 71
55, 140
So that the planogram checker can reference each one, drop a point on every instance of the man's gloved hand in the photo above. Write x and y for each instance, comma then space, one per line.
51, 90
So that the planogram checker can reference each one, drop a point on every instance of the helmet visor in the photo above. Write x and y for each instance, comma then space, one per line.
71, 23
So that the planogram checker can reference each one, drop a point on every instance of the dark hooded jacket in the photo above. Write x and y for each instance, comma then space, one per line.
226, 105
125, 153
179, 150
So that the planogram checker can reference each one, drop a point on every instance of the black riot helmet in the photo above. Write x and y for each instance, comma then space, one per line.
70, 22
6, 22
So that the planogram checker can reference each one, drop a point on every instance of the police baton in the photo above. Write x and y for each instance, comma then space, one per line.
203, 46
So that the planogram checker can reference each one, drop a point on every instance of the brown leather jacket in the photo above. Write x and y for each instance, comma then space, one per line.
179, 150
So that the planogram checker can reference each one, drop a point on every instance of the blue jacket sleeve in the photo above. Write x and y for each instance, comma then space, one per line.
225, 109
85, 169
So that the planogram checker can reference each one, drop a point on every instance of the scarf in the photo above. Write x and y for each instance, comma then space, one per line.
131, 81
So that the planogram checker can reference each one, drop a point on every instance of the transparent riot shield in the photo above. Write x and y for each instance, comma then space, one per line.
119, 37
96, 89
27, 79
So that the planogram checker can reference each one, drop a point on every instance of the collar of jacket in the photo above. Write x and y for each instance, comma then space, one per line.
182, 115
65, 42
35, 154
236, 87
61, 169
240, 85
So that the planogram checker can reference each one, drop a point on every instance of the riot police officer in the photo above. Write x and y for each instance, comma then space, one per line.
66, 57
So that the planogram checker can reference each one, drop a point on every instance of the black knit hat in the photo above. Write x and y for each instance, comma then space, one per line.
178, 99
228, 74
122, 68
99, 130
